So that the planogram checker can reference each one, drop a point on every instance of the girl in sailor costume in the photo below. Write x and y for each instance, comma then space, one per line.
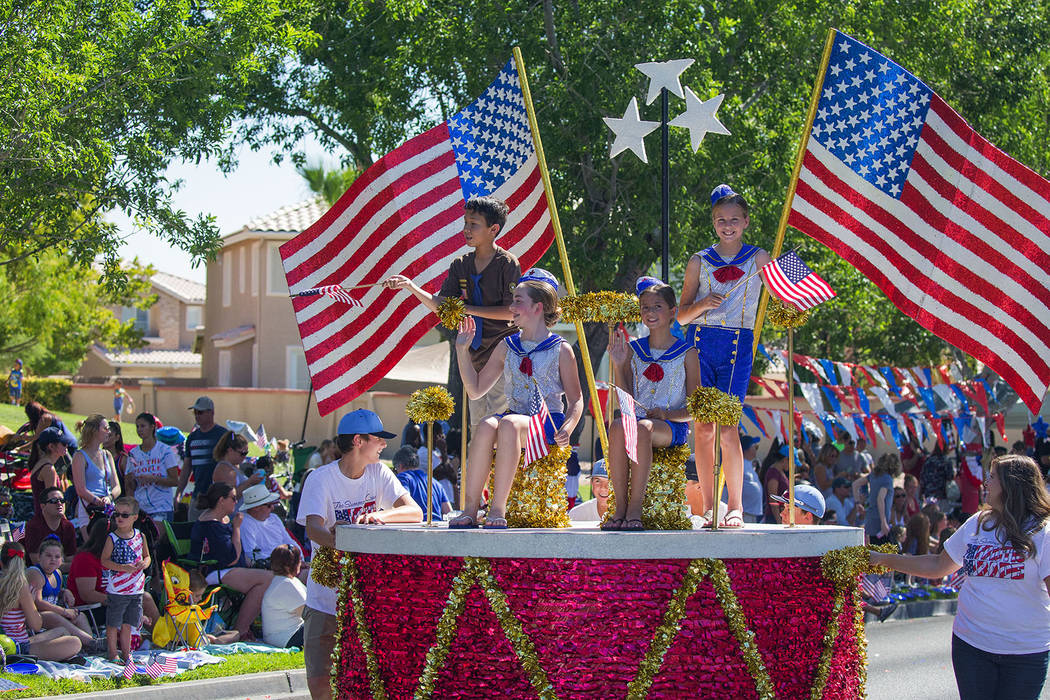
662, 371
721, 307
530, 360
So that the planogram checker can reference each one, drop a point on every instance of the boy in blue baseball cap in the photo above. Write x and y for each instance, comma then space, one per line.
356, 489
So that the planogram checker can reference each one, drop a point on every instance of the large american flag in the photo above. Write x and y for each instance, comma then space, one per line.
536, 439
404, 216
954, 231
629, 422
793, 282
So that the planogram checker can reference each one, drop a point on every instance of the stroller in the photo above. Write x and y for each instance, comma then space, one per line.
183, 622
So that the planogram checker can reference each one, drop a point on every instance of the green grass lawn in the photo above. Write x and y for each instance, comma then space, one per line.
235, 665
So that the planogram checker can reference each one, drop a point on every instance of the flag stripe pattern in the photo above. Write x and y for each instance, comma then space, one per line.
126, 552
874, 587
332, 291
629, 422
793, 282
404, 216
953, 230
536, 439
18, 534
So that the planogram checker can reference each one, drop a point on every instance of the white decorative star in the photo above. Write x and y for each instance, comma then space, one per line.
699, 117
630, 132
664, 74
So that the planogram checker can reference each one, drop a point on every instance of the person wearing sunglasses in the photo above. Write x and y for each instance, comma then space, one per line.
51, 522
230, 452
126, 555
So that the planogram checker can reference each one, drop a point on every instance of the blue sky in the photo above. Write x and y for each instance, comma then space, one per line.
256, 187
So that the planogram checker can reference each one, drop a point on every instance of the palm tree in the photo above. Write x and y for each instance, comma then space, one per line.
329, 184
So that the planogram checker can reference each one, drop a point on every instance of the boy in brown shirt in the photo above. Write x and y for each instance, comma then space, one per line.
485, 279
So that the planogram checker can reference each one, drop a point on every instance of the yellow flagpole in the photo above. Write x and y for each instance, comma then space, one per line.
519, 62
778, 245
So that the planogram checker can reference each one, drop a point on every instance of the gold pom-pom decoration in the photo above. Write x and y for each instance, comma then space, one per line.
842, 566
430, 404
325, 568
450, 311
710, 405
610, 308
537, 497
781, 315
662, 508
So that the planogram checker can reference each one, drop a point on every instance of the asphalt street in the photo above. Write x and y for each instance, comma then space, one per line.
911, 660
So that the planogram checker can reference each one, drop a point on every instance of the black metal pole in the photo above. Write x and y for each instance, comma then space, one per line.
306, 413
665, 184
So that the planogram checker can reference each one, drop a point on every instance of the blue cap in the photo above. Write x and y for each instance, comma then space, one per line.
807, 498
52, 435
644, 283
721, 192
362, 422
598, 469
746, 441
537, 274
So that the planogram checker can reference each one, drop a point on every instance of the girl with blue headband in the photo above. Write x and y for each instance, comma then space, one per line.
720, 299
532, 357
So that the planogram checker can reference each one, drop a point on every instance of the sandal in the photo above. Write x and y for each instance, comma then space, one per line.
734, 519
707, 519
462, 522
633, 525
495, 524
612, 524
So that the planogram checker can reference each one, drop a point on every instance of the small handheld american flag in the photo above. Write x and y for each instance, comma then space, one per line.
157, 667
874, 587
333, 291
629, 422
793, 282
536, 441
129, 668
18, 534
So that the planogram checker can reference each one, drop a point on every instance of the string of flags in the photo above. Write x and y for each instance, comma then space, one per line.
946, 407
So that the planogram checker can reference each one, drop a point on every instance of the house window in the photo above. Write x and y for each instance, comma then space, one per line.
140, 317
224, 367
296, 374
227, 278
276, 284
193, 317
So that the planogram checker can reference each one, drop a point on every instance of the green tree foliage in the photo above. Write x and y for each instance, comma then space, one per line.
97, 98
329, 184
54, 311
382, 72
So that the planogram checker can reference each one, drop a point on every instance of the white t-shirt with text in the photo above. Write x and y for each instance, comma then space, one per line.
1004, 607
156, 463
338, 499
258, 539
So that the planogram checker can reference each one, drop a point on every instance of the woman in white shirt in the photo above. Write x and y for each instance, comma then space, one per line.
282, 604
1001, 635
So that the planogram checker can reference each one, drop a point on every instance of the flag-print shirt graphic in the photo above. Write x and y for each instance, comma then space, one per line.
126, 552
1004, 607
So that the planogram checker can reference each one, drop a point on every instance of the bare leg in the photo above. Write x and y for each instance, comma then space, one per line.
149, 609
53, 620
111, 642
508, 453
651, 433
253, 584
125, 642
705, 464
616, 463
54, 645
480, 459
732, 465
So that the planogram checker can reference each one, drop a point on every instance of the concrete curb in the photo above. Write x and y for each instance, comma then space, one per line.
284, 685
918, 608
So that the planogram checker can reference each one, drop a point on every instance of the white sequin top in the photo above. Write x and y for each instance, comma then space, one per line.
740, 309
669, 393
545, 370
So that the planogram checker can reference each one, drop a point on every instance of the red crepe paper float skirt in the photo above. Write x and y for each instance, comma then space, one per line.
484, 626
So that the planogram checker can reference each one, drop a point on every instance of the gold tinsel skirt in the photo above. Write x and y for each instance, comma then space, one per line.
664, 505
537, 496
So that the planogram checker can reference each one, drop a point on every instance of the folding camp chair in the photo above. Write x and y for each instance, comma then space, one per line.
183, 622
180, 547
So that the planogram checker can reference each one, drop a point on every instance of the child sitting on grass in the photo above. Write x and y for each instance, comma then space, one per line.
19, 618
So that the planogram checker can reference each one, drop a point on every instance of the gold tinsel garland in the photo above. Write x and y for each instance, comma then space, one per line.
710, 405
537, 496
610, 308
325, 568
430, 404
843, 566
780, 315
450, 311
664, 491
364, 636
671, 623
476, 571
830, 635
